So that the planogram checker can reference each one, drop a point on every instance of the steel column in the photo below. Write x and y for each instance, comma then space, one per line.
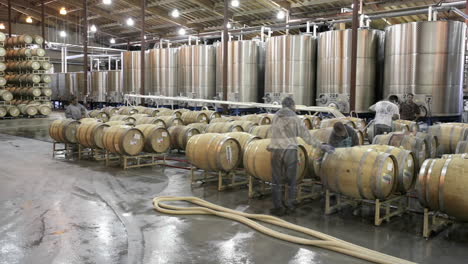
354, 42
143, 47
225, 52
43, 22
9, 18
85, 46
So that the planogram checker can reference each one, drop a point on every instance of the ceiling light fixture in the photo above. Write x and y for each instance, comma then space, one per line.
107, 2
229, 25
235, 3
112, 41
130, 22
182, 31
93, 28
2, 26
63, 34
29, 20
281, 15
63, 11
175, 13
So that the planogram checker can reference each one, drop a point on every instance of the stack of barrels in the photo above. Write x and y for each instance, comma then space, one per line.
26, 78
5, 95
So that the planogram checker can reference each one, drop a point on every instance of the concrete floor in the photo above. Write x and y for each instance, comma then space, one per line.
58, 211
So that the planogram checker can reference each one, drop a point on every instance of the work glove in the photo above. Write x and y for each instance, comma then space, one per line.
327, 148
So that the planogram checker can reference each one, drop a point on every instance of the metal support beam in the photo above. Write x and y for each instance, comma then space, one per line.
64, 56
9, 18
43, 22
85, 46
143, 46
354, 42
225, 51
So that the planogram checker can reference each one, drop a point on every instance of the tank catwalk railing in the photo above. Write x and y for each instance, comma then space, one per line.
130, 99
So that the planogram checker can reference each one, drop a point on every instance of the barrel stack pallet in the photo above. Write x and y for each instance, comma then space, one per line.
138, 161
94, 154
396, 205
236, 178
64, 150
434, 222
307, 189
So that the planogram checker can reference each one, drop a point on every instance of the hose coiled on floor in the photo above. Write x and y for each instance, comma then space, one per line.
323, 241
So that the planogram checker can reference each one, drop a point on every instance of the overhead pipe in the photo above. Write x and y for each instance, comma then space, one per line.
460, 13
85, 47
43, 22
143, 47
354, 43
225, 53
9, 19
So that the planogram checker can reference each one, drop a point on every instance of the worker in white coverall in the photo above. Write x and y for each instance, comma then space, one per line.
285, 129
75, 110
385, 113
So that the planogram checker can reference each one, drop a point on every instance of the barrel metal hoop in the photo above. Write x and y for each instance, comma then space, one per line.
428, 178
421, 184
442, 185
452, 130
360, 174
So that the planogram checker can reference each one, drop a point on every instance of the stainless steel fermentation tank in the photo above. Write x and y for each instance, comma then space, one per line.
245, 75
74, 85
426, 59
131, 72
197, 71
114, 87
98, 86
334, 69
163, 75
290, 65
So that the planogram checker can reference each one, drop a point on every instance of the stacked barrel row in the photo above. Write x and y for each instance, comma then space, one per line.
26, 82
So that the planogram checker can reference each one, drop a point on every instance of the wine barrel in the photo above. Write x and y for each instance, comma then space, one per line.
157, 138
45, 65
3, 81
3, 66
46, 91
150, 120
431, 141
323, 135
443, 186
126, 118
257, 161
223, 128
99, 114
451, 156
396, 127
449, 135
413, 126
38, 52
257, 119
462, 147
149, 111
262, 131
314, 121
2, 37
244, 140
180, 135
110, 111
314, 159
43, 109
331, 122
3, 52
127, 110
22, 40
222, 119
359, 173
64, 130
29, 110
407, 171
45, 78
123, 140
118, 123
90, 134
5, 95
214, 152
246, 125
29, 65
201, 127
13, 111
169, 112
89, 120
457, 124
359, 124
170, 121
194, 117
38, 40
211, 114
3, 111
32, 91
409, 142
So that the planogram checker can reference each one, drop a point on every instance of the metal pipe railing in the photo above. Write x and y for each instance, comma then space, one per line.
132, 97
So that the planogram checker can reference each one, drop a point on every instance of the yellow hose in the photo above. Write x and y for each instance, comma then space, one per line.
323, 241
